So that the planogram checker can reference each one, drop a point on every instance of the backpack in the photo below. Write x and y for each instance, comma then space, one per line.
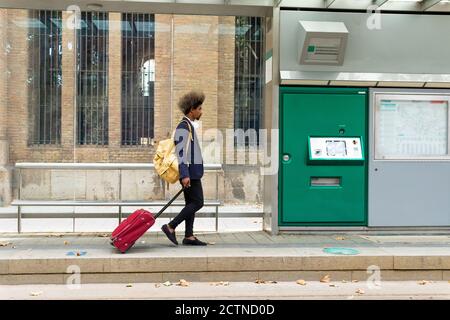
165, 159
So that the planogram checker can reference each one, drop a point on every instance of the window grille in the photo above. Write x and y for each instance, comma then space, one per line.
138, 78
92, 79
45, 75
249, 74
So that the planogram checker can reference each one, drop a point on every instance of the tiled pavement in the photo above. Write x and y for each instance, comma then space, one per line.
234, 256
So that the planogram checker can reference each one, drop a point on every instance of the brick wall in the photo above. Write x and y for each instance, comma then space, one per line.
3, 70
191, 52
203, 58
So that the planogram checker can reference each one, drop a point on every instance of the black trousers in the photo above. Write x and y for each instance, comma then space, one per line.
194, 202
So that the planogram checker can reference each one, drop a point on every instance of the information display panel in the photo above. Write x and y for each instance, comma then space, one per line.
335, 148
411, 127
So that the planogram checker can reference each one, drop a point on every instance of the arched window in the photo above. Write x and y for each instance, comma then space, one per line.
147, 76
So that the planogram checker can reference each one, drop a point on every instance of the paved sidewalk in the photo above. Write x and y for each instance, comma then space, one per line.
411, 290
236, 256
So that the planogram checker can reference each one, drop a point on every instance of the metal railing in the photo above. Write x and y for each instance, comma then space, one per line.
121, 167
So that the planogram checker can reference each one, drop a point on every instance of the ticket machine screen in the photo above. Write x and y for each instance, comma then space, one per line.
335, 148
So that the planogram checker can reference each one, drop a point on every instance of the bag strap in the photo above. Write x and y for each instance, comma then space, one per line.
190, 137
190, 130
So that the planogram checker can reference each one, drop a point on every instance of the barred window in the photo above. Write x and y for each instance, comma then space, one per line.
249, 73
92, 79
45, 76
138, 78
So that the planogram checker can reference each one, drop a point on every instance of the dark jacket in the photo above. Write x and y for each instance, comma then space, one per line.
190, 165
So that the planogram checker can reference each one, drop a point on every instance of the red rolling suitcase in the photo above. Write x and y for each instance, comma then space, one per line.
133, 227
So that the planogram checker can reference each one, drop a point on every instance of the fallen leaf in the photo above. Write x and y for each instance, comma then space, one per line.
55, 235
423, 282
360, 291
264, 281
183, 283
326, 278
255, 221
66, 243
221, 283
157, 285
211, 243
105, 235
355, 281
4, 244
78, 254
35, 293
167, 283
301, 282
340, 238
129, 285
333, 285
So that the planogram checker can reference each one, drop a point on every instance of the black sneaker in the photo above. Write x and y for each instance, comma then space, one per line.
170, 235
195, 242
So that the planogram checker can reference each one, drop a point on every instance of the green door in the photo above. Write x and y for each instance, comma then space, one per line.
328, 112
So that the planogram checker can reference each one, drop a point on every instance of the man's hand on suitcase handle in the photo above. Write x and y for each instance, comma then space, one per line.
186, 182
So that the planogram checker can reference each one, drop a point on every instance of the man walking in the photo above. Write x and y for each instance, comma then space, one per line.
190, 166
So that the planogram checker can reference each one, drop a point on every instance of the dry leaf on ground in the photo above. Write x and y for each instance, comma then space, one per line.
167, 283
326, 279
157, 285
340, 238
211, 243
4, 244
129, 285
35, 293
55, 235
66, 243
221, 283
183, 283
423, 282
333, 285
105, 235
258, 281
355, 281
301, 282
360, 291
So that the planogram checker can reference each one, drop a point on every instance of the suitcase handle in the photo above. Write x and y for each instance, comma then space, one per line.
158, 214
169, 203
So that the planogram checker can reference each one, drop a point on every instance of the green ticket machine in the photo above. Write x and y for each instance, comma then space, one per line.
323, 171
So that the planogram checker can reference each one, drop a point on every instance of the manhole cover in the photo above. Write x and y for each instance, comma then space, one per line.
344, 251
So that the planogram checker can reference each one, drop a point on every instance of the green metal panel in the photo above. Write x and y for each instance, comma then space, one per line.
331, 112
